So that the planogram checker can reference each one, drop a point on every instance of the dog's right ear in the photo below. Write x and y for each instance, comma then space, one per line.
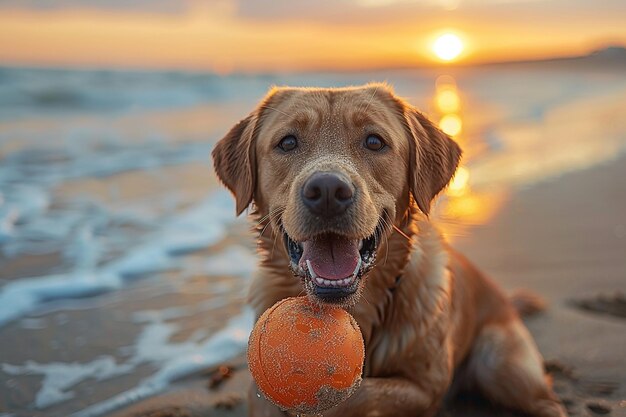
234, 160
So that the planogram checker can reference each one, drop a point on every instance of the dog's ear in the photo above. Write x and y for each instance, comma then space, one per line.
433, 158
234, 160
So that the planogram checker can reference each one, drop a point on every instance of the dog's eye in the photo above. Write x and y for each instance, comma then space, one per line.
374, 143
288, 143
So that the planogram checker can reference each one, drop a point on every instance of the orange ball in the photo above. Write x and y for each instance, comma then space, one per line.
306, 357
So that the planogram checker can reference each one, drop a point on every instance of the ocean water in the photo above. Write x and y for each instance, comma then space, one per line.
122, 265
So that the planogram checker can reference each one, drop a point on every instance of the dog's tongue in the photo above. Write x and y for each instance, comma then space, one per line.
331, 257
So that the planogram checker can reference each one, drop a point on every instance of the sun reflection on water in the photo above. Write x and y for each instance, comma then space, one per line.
460, 183
463, 206
448, 103
451, 124
448, 100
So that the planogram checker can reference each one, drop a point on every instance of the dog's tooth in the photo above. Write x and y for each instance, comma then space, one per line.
361, 244
327, 282
358, 266
320, 281
310, 268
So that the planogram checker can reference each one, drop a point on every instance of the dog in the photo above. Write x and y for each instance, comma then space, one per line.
340, 183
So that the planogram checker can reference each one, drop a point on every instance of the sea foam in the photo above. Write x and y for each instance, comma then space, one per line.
174, 360
198, 227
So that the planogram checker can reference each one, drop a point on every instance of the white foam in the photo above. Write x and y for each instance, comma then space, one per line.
195, 228
19, 204
177, 360
153, 346
58, 376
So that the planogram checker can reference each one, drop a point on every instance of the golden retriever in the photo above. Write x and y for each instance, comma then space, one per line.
341, 181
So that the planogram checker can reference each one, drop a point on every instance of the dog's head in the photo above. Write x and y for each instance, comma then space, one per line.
333, 170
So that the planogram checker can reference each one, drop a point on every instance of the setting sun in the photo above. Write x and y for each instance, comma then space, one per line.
447, 47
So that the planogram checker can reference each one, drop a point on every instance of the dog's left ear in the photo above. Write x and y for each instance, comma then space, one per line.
234, 160
433, 158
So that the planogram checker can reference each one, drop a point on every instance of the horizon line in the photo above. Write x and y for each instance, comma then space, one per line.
343, 69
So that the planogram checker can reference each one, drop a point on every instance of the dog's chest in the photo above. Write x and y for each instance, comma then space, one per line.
404, 346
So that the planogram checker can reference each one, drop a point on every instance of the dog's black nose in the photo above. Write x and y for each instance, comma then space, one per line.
327, 194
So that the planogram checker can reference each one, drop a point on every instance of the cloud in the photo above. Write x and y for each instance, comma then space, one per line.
158, 6
347, 12
351, 12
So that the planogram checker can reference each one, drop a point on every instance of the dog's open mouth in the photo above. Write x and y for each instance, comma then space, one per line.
330, 264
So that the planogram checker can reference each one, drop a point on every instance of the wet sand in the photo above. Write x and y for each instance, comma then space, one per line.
566, 244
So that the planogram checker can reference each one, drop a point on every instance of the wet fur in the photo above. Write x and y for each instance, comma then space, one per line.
442, 316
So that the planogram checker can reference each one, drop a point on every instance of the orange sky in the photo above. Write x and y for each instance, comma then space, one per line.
219, 35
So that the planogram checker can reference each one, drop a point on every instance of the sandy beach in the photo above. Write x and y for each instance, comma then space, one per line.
123, 271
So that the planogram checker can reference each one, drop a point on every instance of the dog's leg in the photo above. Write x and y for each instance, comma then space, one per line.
376, 397
388, 397
507, 367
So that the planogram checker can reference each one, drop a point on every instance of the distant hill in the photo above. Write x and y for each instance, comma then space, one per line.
611, 52
610, 56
